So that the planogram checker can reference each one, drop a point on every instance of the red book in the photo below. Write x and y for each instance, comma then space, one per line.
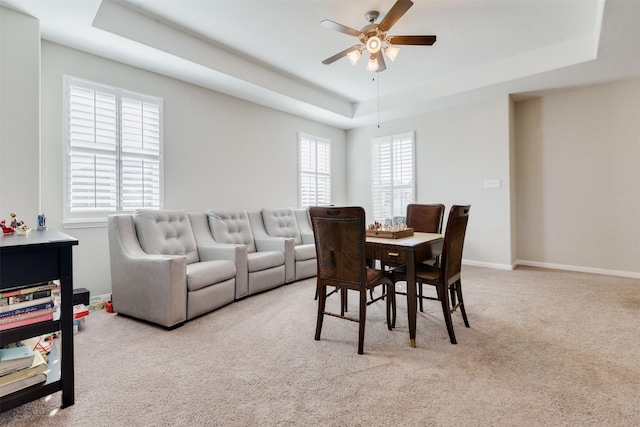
80, 310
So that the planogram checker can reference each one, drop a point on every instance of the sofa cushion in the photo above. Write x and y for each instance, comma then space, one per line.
206, 273
282, 223
231, 227
259, 261
166, 233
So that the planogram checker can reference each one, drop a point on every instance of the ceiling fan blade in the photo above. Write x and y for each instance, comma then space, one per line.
344, 53
381, 64
412, 40
396, 12
327, 23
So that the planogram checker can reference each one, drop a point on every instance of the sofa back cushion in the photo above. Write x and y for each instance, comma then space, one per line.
281, 223
166, 233
228, 226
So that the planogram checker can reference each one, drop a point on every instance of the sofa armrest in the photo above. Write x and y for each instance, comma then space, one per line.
232, 252
280, 244
148, 287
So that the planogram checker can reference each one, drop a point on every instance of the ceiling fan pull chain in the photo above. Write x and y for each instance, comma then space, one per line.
378, 101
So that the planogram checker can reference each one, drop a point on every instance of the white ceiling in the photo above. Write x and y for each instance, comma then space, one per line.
270, 52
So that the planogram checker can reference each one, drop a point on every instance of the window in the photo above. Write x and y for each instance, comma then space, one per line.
113, 160
393, 175
314, 183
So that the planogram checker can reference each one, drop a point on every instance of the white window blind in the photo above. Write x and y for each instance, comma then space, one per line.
315, 170
114, 146
392, 175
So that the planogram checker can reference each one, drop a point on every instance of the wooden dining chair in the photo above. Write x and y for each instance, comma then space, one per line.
423, 218
446, 276
339, 234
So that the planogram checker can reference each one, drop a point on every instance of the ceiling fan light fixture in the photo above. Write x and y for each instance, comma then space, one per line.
354, 56
374, 44
373, 65
392, 52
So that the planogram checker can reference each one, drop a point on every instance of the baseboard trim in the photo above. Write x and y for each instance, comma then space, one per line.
488, 264
607, 272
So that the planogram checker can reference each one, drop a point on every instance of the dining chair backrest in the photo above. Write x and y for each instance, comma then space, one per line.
340, 244
454, 242
425, 218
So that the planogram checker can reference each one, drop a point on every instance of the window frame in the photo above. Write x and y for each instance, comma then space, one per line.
326, 176
392, 188
96, 217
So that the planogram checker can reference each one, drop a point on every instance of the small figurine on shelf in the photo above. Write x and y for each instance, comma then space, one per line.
42, 222
14, 219
22, 228
6, 229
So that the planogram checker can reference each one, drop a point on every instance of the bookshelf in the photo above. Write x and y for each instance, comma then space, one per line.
38, 257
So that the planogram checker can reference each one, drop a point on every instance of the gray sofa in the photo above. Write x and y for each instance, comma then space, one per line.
159, 273
171, 266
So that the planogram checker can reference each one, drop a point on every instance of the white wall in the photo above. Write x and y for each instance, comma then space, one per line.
19, 115
219, 152
456, 150
578, 179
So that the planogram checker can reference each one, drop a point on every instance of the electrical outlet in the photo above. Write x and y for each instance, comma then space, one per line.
492, 183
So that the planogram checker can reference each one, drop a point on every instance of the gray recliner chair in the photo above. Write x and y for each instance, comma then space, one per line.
159, 273
264, 267
289, 223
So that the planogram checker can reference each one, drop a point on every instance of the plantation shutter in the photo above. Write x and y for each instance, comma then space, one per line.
393, 175
140, 156
315, 171
92, 166
114, 145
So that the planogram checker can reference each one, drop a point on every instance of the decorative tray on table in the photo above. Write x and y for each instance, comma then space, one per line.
386, 234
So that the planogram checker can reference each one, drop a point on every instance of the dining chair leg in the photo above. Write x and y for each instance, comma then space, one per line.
391, 306
458, 286
363, 316
443, 295
322, 297
393, 309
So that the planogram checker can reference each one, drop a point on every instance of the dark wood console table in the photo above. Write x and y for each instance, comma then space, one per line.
36, 257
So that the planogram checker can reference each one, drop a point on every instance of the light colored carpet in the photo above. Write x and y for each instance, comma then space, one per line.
544, 348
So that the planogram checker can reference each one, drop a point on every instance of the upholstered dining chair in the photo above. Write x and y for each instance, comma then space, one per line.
339, 234
446, 276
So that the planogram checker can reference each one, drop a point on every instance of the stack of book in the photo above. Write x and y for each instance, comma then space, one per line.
24, 305
80, 312
20, 367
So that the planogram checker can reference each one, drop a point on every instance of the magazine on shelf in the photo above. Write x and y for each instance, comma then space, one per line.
39, 365
15, 358
22, 383
27, 315
27, 297
11, 307
25, 322
25, 310
27, 289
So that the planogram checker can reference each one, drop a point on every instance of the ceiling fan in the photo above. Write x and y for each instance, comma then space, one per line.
373, 37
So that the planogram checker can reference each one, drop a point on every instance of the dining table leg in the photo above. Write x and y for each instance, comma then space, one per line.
412, 300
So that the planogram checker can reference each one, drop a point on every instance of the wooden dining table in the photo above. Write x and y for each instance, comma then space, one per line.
411, 251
